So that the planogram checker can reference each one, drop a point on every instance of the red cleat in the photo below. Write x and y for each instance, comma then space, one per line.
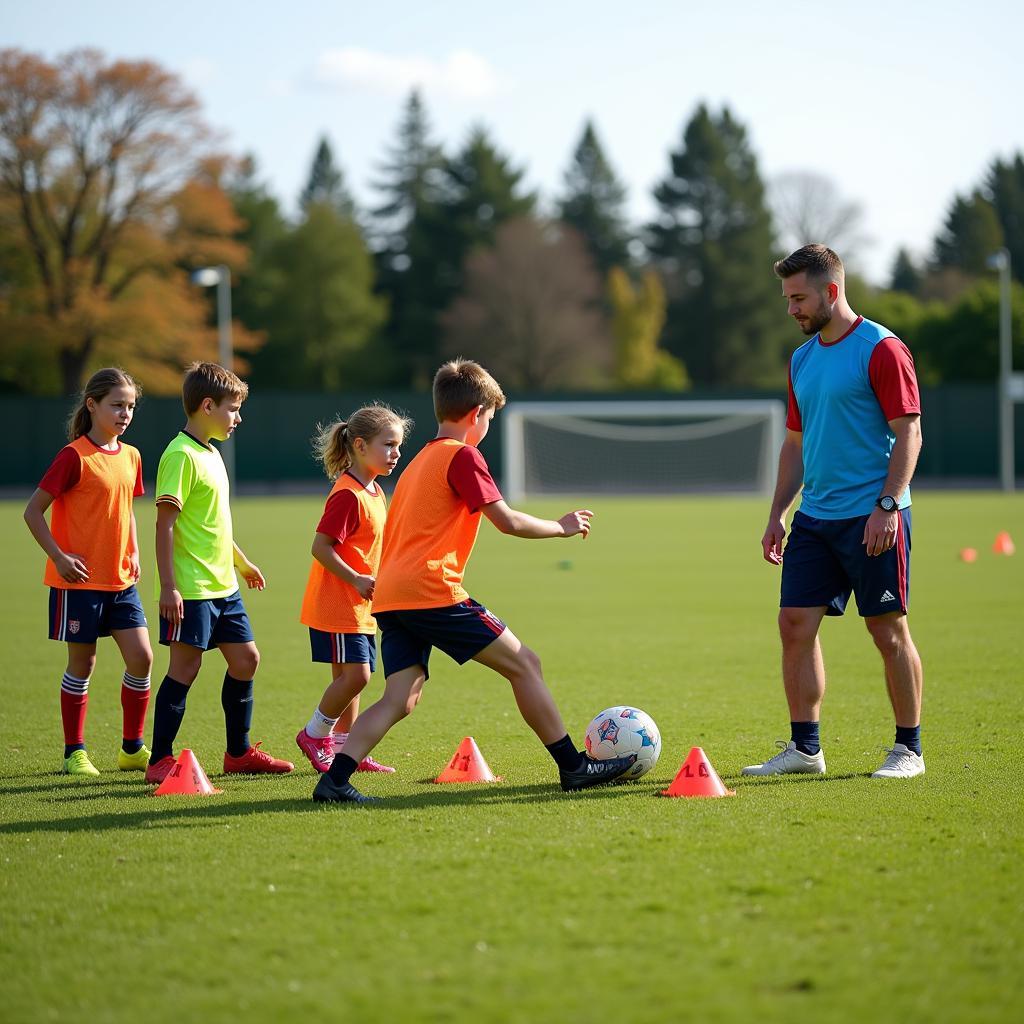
368, 764
256, 762
156, 773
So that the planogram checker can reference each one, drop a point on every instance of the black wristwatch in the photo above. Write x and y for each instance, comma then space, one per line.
887, 503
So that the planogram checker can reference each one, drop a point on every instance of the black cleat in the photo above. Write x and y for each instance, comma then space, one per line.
329, 792
592, 772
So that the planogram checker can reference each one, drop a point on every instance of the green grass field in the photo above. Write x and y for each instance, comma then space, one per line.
828, 899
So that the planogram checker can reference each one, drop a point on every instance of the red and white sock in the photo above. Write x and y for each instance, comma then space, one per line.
74, 701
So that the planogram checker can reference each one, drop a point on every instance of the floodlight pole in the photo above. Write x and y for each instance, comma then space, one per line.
221, 277
1007, 456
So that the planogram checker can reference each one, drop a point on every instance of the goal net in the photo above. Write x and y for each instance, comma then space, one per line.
641, 447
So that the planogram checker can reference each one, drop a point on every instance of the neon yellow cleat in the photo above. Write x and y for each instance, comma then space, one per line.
136, 762
79, 764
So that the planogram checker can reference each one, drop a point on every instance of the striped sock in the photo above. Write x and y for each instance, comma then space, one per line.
134, 702
74, 700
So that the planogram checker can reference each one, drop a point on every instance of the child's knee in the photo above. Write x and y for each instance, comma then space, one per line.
81, 662
245, 663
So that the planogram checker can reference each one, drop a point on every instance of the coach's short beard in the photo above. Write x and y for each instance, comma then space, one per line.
819, 320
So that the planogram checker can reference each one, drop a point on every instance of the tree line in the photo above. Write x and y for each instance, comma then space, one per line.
112, 192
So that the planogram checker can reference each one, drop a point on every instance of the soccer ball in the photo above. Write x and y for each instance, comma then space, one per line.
620, 731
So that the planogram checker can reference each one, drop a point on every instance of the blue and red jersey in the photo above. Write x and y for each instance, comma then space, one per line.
842, 395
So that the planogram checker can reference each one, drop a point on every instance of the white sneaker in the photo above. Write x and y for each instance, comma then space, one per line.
789, 761
902, 763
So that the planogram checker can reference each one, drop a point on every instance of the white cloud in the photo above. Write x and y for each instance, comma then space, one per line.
462, 74
199, 71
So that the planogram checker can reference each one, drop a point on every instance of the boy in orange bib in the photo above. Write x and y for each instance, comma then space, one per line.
419, 600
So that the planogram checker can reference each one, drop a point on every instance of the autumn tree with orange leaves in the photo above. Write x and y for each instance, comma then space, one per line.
109, 196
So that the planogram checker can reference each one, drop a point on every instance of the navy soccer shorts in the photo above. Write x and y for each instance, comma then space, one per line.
82, 616
462, 631
208, 623
825, 561
343, 648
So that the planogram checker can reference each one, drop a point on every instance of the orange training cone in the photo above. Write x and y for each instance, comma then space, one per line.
968, 555
1003, 544
467, 765
697, 778
186, 778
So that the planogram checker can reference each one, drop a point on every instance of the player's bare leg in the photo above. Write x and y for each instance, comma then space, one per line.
904, 676
904, 679
803, 668
510, 658
401, 694
803, 676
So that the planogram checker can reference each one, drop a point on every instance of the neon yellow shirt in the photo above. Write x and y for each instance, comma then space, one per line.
192, 477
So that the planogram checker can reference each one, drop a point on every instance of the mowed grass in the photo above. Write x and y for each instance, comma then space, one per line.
834, 899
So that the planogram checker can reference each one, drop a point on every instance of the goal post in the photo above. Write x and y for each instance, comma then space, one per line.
641, 447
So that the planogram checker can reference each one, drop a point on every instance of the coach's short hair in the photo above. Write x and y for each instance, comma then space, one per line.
821, 263
460, 385
210, 380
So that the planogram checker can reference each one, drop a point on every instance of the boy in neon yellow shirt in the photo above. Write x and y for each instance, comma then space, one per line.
200, 604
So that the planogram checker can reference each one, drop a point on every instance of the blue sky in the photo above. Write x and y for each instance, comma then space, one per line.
900, 104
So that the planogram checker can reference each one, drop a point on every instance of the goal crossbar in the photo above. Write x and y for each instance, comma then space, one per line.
602, 421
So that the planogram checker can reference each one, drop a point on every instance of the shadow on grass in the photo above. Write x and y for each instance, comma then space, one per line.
184, 811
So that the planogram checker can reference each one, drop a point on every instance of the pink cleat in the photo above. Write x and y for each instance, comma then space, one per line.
319, 751
368, 764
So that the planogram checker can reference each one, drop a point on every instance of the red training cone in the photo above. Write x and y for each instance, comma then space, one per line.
968, 555
1003, 544
697, 778
467, 765
186, 778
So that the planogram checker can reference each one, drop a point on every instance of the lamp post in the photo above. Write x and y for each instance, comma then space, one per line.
1007, 465
221, 277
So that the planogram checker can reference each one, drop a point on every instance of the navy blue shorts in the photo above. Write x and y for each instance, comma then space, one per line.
825, 561
462, 631
82, 616
209, 623
343, 648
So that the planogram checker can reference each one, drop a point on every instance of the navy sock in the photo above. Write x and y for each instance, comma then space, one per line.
131, 746
169, 710
236, 700
910, 737
805, 736
564, 751
342, 768
70, 748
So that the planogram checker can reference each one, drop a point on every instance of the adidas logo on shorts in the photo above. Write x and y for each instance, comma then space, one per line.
887, 596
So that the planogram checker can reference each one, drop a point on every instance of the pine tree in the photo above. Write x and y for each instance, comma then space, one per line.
326, 183
969, 236
905, 275
593, 203
712, 243
410, 184
1005, 185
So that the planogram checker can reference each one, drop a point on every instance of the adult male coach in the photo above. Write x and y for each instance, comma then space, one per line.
853, 435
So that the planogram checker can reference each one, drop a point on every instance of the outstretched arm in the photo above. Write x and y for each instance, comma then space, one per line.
522, 524
787, 487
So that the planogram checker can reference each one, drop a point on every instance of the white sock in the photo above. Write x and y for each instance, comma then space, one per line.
320, 725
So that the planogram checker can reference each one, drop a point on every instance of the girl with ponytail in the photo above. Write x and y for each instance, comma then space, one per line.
346, 555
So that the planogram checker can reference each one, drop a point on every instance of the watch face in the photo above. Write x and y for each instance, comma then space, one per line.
887, 504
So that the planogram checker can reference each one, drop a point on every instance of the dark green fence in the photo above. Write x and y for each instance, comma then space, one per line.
273, 443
